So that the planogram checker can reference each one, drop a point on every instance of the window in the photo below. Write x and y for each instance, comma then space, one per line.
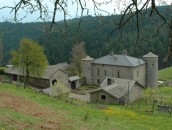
137, 73
105, 72
98, 72
98, 81
118, 74
109, 82
54, 82
103, 97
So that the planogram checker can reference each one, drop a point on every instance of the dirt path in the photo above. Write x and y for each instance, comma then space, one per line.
49, 119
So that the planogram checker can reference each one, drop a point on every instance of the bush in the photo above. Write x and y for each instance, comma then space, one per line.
2, 70
59, 90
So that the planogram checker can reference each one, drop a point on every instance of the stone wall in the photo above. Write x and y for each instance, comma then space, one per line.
135, 93
61, 77
100, 72
97, 97
39, 82
152, 71
139, 74
87, 70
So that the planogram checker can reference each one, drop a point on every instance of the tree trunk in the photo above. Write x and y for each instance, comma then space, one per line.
27, 74
169, 52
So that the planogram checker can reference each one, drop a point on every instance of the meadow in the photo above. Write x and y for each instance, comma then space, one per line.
165, 74
27, 109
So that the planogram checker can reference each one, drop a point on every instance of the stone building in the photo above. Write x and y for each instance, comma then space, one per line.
142, 71
117, 91
52, 74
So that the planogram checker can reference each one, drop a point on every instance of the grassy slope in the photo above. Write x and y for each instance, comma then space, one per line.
165, 74
70, 114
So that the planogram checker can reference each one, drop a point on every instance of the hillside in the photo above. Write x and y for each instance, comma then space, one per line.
165, 74
94, 31
25, 109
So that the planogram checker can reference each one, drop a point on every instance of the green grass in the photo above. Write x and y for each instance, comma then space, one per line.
165, 74
75, 115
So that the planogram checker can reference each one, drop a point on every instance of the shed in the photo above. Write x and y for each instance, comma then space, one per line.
74, 81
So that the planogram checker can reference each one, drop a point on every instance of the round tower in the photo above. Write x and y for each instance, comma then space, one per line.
151, 69
87, 69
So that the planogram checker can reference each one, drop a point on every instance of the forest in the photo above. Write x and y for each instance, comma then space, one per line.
95, 33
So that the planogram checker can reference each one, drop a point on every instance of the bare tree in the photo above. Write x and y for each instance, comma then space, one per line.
77, 53
130, 10
169, 52
1, 48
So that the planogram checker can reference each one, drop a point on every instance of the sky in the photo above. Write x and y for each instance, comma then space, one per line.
109, 6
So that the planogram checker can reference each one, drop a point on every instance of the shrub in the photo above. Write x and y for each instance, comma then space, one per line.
2, 70
59, 90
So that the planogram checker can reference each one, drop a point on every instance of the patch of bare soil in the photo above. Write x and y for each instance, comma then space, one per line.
49, 119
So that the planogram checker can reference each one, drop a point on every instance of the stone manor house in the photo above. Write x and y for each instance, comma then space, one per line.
122, 78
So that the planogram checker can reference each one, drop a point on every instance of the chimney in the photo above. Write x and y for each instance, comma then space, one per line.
111, 53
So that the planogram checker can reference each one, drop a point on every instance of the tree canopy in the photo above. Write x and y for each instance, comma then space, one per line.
30, 57
78, 52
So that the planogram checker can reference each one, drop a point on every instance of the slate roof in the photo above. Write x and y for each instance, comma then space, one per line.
49, 71
150, 54
74, 78
119, 88
119, 60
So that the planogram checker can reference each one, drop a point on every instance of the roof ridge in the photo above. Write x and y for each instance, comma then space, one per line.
127, 59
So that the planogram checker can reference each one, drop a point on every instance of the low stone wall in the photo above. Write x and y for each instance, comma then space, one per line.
167, 83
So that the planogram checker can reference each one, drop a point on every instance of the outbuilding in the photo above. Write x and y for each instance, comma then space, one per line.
117, 91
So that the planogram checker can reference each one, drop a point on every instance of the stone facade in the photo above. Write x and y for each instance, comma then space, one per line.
87, 69
103, 97
122, 78
118, 91
135, 93
100, 72
151, 69
51, 75
59, 76
121, 66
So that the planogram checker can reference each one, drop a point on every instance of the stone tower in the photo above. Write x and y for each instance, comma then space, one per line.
87, 69
151, 69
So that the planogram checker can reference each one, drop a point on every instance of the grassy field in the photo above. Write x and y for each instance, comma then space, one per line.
165, 74
25, 109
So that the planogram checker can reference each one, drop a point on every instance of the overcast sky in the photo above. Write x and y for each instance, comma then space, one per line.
113, 7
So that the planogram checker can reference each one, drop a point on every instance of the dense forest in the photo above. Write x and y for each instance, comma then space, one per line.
95, 32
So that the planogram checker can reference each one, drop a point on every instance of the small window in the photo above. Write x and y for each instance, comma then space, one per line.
54, 82
98, 72
98, 81
109, 82
103, 97
118, 75
105, 72
137, 73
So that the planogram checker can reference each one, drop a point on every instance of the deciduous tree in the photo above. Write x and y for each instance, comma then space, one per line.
30, 57
78, 52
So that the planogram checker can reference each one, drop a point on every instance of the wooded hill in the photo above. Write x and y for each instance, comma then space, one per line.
94, 31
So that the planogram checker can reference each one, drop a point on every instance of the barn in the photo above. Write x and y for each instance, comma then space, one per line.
52, 74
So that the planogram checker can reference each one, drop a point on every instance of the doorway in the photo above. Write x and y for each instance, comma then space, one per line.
73, 85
